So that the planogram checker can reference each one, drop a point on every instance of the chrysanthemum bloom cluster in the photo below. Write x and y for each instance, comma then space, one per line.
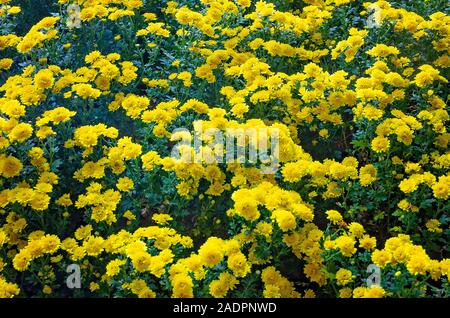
90, 104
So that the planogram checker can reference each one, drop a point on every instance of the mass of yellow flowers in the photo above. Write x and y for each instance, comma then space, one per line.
95, 95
